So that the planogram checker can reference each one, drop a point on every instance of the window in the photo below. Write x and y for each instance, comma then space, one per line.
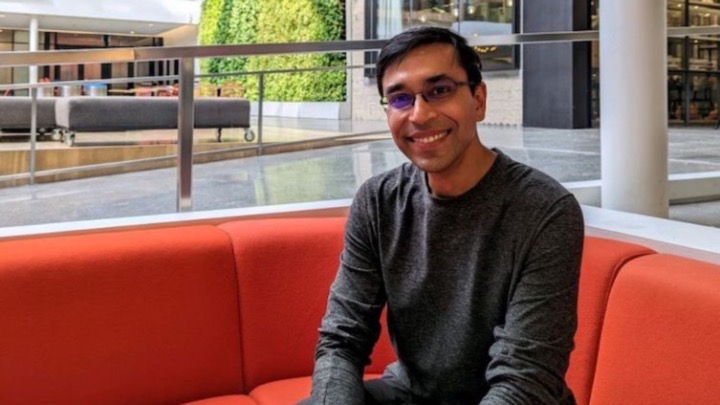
470, 18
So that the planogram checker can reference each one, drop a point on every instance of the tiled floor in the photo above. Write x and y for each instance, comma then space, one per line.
329, 173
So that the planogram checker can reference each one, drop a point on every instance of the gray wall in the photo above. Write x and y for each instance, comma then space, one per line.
556, 77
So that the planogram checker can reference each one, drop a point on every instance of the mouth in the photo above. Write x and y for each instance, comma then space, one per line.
429, 138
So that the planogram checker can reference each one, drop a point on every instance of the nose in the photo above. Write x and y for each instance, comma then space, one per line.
421, 111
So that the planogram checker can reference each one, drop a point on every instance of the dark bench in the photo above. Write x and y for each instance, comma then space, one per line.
15, 114
121, 113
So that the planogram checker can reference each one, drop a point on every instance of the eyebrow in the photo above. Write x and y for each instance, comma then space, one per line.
430, 80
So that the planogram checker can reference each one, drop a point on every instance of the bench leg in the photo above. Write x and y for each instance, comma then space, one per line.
67, 137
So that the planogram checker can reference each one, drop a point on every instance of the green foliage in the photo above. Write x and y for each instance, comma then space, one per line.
242, 29
257, 21
214, 28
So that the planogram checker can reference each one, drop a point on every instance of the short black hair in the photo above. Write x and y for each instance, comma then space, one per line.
401, 44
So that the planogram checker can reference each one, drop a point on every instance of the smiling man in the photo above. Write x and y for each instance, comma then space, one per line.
475, 255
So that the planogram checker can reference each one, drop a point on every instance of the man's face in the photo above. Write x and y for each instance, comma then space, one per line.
436, 135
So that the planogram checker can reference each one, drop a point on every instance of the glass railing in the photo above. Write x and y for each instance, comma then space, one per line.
116, 172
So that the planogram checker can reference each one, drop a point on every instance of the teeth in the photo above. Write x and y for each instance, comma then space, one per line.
433, 138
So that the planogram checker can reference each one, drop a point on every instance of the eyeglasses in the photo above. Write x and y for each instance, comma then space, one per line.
441, 90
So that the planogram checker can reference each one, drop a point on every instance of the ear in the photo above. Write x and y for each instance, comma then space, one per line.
480, 97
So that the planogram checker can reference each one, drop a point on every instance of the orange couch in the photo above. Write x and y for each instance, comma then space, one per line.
228, 315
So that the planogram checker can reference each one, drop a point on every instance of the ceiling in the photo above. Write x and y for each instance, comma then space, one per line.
86, 25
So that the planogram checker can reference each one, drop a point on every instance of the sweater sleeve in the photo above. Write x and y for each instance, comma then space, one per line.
351, 324
532, 348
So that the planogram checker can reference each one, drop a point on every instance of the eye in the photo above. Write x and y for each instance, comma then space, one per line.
400, 101
440, 90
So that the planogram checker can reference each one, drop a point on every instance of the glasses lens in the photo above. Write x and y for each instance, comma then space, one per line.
400, 101
440, 90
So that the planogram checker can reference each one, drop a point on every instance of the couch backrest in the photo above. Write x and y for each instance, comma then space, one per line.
137, 317
285, 268
602, 259
660, 339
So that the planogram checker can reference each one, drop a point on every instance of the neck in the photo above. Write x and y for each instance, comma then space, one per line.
469, 170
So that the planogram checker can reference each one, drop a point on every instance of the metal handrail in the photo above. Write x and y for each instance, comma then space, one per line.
41, 58
138, 79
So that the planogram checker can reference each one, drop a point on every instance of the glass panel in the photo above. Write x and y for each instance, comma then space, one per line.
68, 72
119, 70
703, 54
493, 17
6, 36
676, 98
92, 71
21, 37
6, 72
676, 13
21, 75
703, 98
127, 41
471, 18
594, 15
389, 19
595, 83
675, 53
438, 13
73, 41
704, 13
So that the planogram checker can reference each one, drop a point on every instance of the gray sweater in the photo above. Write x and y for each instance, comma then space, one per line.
481, 289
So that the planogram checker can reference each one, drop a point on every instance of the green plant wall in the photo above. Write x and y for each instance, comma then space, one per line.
274, 21
213, 29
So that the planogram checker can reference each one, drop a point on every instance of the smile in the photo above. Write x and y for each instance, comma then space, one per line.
431, 138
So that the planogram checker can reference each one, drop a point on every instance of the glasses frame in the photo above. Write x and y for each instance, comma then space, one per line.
425, 94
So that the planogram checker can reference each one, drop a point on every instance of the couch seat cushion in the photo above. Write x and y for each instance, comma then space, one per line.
225, 400
287, 392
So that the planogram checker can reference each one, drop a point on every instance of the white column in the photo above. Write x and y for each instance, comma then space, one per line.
633, 106
33, 46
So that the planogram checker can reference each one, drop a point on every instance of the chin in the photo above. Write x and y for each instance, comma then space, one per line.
429, 166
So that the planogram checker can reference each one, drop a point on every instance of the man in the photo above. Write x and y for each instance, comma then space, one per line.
476, 256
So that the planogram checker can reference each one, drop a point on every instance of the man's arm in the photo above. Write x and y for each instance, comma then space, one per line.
351, 324
531, 351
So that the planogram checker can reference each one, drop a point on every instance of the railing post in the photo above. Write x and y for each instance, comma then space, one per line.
261, 97
33, 132
186, 123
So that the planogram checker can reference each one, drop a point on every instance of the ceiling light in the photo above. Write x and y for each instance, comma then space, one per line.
150, 25
132, 32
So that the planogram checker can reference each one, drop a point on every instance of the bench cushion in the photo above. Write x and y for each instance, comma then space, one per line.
290, 391
135, 317
16, 112
126, 113
285, 268
661, 334
602, 259
226, 400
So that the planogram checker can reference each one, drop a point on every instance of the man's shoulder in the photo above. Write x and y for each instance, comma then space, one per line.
523, 178
398, 180
528, 189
